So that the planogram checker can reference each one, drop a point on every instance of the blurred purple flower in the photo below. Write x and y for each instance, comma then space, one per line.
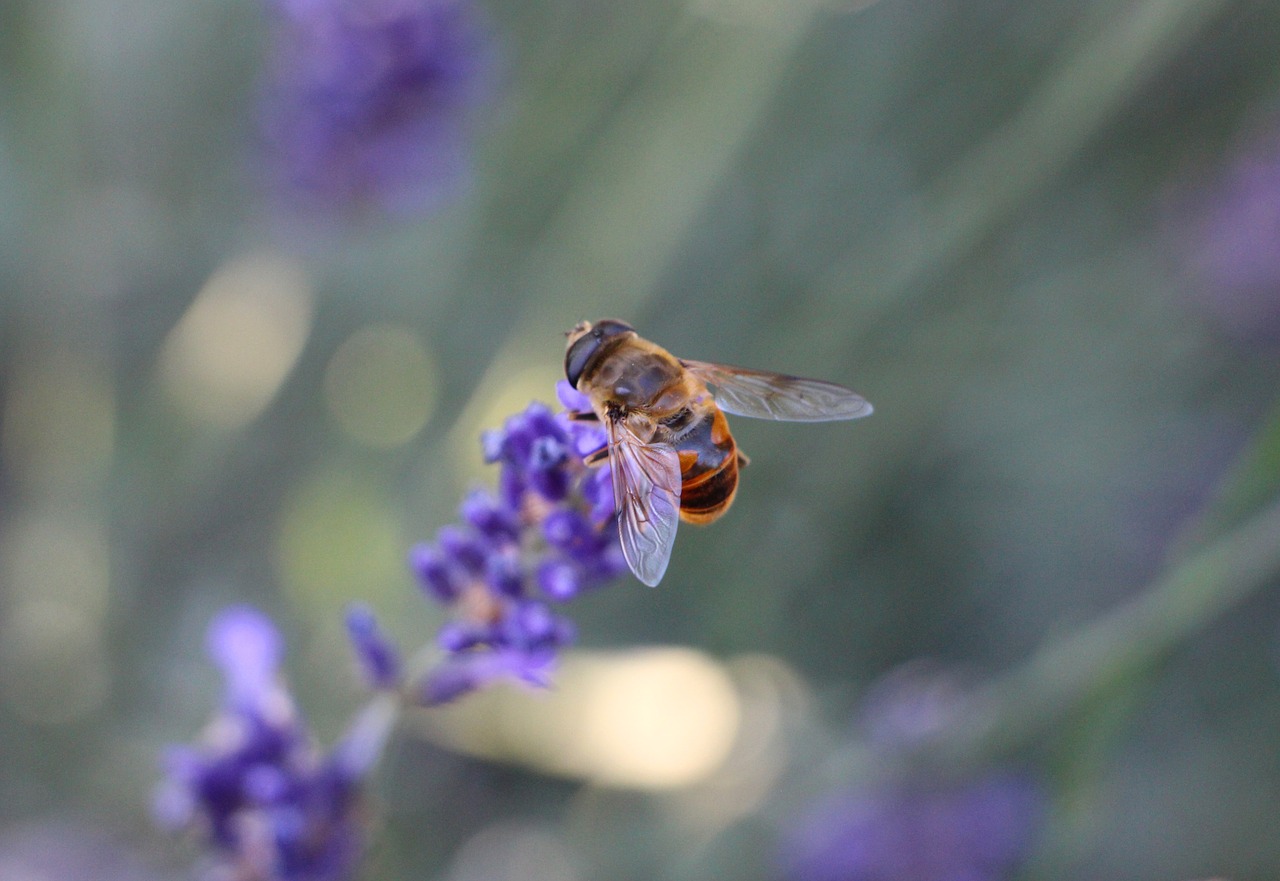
913, 827
64, 850
272, 806
369, 103
248, 649
910, 706
1229, 234
980, 830
547, 534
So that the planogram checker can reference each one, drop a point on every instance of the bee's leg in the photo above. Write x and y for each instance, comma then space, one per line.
743, 459
582, 416
599, 457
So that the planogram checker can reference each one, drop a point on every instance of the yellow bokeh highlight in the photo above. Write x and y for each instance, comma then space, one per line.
338, 538
232, 349
381, 385
772, 696
652, 719
56, 558
53, 669
514, 851
59, 419
521, 388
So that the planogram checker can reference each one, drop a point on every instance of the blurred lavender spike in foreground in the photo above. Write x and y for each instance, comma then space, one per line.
1229, 234
980, 830
915, 826
545, 536
270, 804
58, 849
370, 104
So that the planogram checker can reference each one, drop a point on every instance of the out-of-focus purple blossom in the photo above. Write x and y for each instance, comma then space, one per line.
977, 830
914, 826
63, 850
910, 706
1228, 235
271, 805
379, 660
369, 103
248, 649
546, 535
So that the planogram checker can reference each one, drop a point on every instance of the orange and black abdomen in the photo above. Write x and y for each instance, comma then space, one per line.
708, 469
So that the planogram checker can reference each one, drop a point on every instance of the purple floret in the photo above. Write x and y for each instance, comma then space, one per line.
271, 804
548, 533
370, 104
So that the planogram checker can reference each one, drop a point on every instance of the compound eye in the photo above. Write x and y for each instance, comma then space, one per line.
608, 327
584, 348
576, 358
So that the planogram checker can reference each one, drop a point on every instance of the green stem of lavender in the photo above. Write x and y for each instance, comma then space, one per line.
1113, 59
1070, 669
1213, 576
377, 719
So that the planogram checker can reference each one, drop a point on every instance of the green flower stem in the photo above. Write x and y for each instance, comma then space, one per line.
376, 721
365, 744
1067, 671
1098, 77
1251, 482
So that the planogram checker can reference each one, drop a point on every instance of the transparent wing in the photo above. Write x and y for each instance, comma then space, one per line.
764, 395
646, 491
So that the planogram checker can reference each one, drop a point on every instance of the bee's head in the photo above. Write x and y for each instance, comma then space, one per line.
585, 342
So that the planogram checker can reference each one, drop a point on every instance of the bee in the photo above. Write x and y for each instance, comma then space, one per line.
669, 447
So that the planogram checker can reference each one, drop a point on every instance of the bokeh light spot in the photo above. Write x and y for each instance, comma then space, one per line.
62, 559
522, 386
381, 385
338, 538
654, 719
59, 420
658, 719
771, 697
511, 852
52, 666
229, 353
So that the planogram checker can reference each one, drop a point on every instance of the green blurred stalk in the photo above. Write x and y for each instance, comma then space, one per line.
1068, 671
886, 279
1101, 663
1113, 60
1252, 481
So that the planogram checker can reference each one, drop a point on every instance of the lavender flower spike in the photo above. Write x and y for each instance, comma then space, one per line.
379, 660
271, 806
978, 830
369, 104
1227, 232
545, 536
916, 824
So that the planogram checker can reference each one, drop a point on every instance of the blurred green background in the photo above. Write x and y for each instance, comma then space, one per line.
960, 209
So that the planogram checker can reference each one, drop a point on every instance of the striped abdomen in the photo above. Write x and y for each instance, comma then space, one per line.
708, 468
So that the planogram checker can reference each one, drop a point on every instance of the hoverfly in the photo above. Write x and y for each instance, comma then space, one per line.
669, 447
